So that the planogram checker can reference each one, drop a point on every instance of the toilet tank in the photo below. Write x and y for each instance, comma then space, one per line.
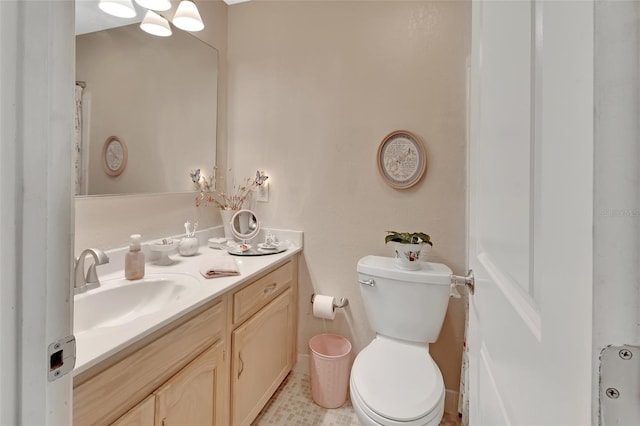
403, 304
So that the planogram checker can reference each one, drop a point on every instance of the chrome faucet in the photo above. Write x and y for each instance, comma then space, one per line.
82, 282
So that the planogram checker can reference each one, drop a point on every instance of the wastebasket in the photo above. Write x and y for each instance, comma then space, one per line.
330, 365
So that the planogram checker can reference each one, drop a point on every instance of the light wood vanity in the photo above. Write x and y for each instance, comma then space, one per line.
217, 365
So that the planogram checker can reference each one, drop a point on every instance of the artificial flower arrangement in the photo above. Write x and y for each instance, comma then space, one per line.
232, 200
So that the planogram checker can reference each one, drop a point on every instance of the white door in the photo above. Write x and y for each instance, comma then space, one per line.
36, 216
530, 213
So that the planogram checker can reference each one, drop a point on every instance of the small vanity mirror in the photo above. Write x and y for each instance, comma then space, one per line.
245, 225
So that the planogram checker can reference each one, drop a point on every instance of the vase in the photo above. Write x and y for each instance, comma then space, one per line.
408, 256
227, 215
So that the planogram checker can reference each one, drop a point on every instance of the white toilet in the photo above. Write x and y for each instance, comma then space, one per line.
394, 381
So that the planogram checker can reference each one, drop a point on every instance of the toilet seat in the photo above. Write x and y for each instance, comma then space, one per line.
397, 383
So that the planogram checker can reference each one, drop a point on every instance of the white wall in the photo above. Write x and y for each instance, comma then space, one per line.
36, 128
616, 287
314, 87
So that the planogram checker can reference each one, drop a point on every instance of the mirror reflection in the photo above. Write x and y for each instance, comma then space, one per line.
158, 95
245, 225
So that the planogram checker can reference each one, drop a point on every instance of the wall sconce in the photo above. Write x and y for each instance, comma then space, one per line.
187, 16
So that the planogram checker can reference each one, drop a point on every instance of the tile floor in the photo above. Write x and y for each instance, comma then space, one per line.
292, 405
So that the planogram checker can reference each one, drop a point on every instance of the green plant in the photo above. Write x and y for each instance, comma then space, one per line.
408, 238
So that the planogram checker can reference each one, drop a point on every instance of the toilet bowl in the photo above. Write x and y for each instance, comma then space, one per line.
394, 380
396, 383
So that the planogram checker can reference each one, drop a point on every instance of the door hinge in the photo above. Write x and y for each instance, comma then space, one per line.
620, 385
61, 357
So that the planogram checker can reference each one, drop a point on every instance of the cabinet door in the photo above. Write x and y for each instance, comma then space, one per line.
263, 354
140, 415
195, 395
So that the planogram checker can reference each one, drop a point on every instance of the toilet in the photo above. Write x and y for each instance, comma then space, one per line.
393, 380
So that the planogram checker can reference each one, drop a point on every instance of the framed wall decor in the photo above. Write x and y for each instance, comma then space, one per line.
114, 156
402, 160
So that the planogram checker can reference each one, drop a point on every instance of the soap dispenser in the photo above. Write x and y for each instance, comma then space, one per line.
134, 260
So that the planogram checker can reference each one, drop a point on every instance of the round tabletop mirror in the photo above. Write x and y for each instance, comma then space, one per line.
244, 225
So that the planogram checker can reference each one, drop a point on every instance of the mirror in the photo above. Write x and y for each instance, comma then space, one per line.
245, 225
158, 96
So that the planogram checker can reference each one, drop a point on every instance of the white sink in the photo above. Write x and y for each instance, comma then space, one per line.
120, 302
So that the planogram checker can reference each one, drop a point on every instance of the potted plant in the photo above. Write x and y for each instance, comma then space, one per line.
408, 247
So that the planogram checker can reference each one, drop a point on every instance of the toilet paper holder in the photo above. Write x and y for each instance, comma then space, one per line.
337, 304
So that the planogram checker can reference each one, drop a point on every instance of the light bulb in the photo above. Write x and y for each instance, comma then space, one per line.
160, 5
155, 24
119, 8
187, 17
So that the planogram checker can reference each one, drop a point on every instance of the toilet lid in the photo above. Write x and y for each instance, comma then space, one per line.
397, 381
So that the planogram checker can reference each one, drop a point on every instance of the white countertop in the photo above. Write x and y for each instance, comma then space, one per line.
95, 346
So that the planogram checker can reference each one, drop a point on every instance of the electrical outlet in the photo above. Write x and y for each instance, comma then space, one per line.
262, 194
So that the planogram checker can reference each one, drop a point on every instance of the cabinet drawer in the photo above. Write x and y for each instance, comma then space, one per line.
252, 298
107, 395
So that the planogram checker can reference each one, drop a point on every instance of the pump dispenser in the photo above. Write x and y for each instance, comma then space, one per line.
134, 260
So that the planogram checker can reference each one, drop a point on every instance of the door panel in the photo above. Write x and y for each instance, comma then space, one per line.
530, 212
194, 395
506, 107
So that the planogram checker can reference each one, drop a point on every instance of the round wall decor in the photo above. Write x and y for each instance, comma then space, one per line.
114, 156
402, 160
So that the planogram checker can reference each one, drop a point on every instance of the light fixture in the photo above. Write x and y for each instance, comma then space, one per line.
161, 5
119, 8
187, 17
155, 24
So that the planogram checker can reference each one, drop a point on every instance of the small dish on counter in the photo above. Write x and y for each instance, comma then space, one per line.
238, 248
272, 246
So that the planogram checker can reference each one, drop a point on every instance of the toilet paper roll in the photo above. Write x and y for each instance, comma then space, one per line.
323, 307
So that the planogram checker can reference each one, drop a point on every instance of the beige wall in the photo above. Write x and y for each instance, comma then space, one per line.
313, 89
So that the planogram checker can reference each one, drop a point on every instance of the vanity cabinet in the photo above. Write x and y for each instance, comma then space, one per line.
263, 341
141, 414
219, 365
194, 396
127, 379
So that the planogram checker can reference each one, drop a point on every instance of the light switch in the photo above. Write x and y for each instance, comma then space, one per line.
262, 194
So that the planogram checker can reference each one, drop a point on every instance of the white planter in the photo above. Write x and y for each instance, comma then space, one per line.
227, 215
408, 256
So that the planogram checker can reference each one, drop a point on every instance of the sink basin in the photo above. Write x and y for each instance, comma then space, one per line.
120, 302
